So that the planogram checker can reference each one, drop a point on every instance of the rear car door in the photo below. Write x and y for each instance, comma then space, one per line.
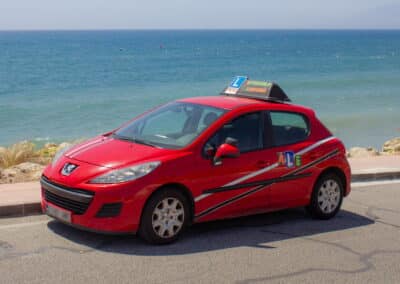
290, 132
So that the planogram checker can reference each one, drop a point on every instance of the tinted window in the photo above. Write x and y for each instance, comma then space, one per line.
288, 127
245, 129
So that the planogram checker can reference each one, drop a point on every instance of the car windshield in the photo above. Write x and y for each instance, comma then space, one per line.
174, 125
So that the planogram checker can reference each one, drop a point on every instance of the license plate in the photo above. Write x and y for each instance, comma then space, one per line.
57, 213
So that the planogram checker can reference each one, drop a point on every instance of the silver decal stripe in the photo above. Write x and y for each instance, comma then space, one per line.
263, 170
256, 173
266, 169
283, 178
313, 146
202, 196
231, 200
262, 187
87, 147
86, 144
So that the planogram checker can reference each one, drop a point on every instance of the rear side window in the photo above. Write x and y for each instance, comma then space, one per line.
289, 127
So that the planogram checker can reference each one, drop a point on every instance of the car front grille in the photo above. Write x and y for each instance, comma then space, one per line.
74, 200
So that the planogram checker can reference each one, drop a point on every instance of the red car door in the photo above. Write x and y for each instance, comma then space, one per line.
228, 189
290, 133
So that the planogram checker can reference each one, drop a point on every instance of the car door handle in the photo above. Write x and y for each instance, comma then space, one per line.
262, 164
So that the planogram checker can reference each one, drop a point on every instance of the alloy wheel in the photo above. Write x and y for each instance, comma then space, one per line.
329, 196
168, 217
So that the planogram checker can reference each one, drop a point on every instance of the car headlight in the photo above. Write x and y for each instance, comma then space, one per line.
59, 154
126, 174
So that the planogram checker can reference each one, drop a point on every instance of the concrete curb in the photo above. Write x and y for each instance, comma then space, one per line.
32, 208
377, 176
19, 210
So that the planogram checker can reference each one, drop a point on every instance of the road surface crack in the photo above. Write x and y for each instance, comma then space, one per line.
364, 258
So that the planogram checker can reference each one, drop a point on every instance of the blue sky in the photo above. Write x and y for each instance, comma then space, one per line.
199, 14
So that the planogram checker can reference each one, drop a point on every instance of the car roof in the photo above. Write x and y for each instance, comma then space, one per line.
220, 101
229, 103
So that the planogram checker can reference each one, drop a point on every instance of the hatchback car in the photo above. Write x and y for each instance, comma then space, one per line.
246, 151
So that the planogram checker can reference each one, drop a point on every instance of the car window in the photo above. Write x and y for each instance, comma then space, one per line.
246, 129
174, 125
288, 127
166, 122
208, 116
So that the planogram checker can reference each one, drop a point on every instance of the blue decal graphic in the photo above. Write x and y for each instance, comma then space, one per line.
238, 81
289, 157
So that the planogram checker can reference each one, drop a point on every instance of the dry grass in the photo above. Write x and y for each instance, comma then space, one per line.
16, 154
27, 152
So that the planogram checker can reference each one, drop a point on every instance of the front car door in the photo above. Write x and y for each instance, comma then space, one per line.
227, 188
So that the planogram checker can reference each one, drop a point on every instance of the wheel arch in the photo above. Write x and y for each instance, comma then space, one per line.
182, 188
338, 172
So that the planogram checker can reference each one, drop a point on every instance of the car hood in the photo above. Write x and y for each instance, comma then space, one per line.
113, 153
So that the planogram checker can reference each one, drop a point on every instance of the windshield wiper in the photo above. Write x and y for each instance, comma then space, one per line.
131, 139
120, 137
144, 142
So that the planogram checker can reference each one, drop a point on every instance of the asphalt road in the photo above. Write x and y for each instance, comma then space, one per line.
360, 245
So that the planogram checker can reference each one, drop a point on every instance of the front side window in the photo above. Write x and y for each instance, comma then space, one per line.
246, 129
174, 125
288, 127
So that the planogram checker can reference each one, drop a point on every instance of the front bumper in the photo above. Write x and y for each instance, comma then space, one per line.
103, 210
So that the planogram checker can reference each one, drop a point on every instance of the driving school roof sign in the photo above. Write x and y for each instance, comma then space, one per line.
241, 86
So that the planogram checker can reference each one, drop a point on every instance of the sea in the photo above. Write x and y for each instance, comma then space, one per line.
65, 85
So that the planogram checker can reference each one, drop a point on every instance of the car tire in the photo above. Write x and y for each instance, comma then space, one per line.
165, 216
327, 197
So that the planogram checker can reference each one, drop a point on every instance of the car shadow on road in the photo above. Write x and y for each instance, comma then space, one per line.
254, 231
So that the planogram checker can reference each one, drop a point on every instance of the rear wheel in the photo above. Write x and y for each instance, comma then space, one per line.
327, 197
164, 217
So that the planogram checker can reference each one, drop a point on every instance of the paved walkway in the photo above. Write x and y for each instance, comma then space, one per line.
24, 198
376, 168
375, 164
19, 199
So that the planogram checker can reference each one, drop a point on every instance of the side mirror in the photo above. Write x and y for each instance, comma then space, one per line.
227, 150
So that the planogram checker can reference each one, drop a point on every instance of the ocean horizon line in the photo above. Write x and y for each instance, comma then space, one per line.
201, 29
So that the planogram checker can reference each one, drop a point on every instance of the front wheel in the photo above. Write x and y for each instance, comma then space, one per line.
327, 197
164, 217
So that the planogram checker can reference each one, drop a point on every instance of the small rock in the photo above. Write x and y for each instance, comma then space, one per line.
10, 173
28, 167
392, 146
36, 175
8, 176
21, 173
361, 152
2, 176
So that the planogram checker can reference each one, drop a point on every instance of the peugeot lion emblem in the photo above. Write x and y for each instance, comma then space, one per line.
68, 169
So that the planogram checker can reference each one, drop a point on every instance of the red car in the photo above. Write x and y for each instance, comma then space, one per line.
246, 151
